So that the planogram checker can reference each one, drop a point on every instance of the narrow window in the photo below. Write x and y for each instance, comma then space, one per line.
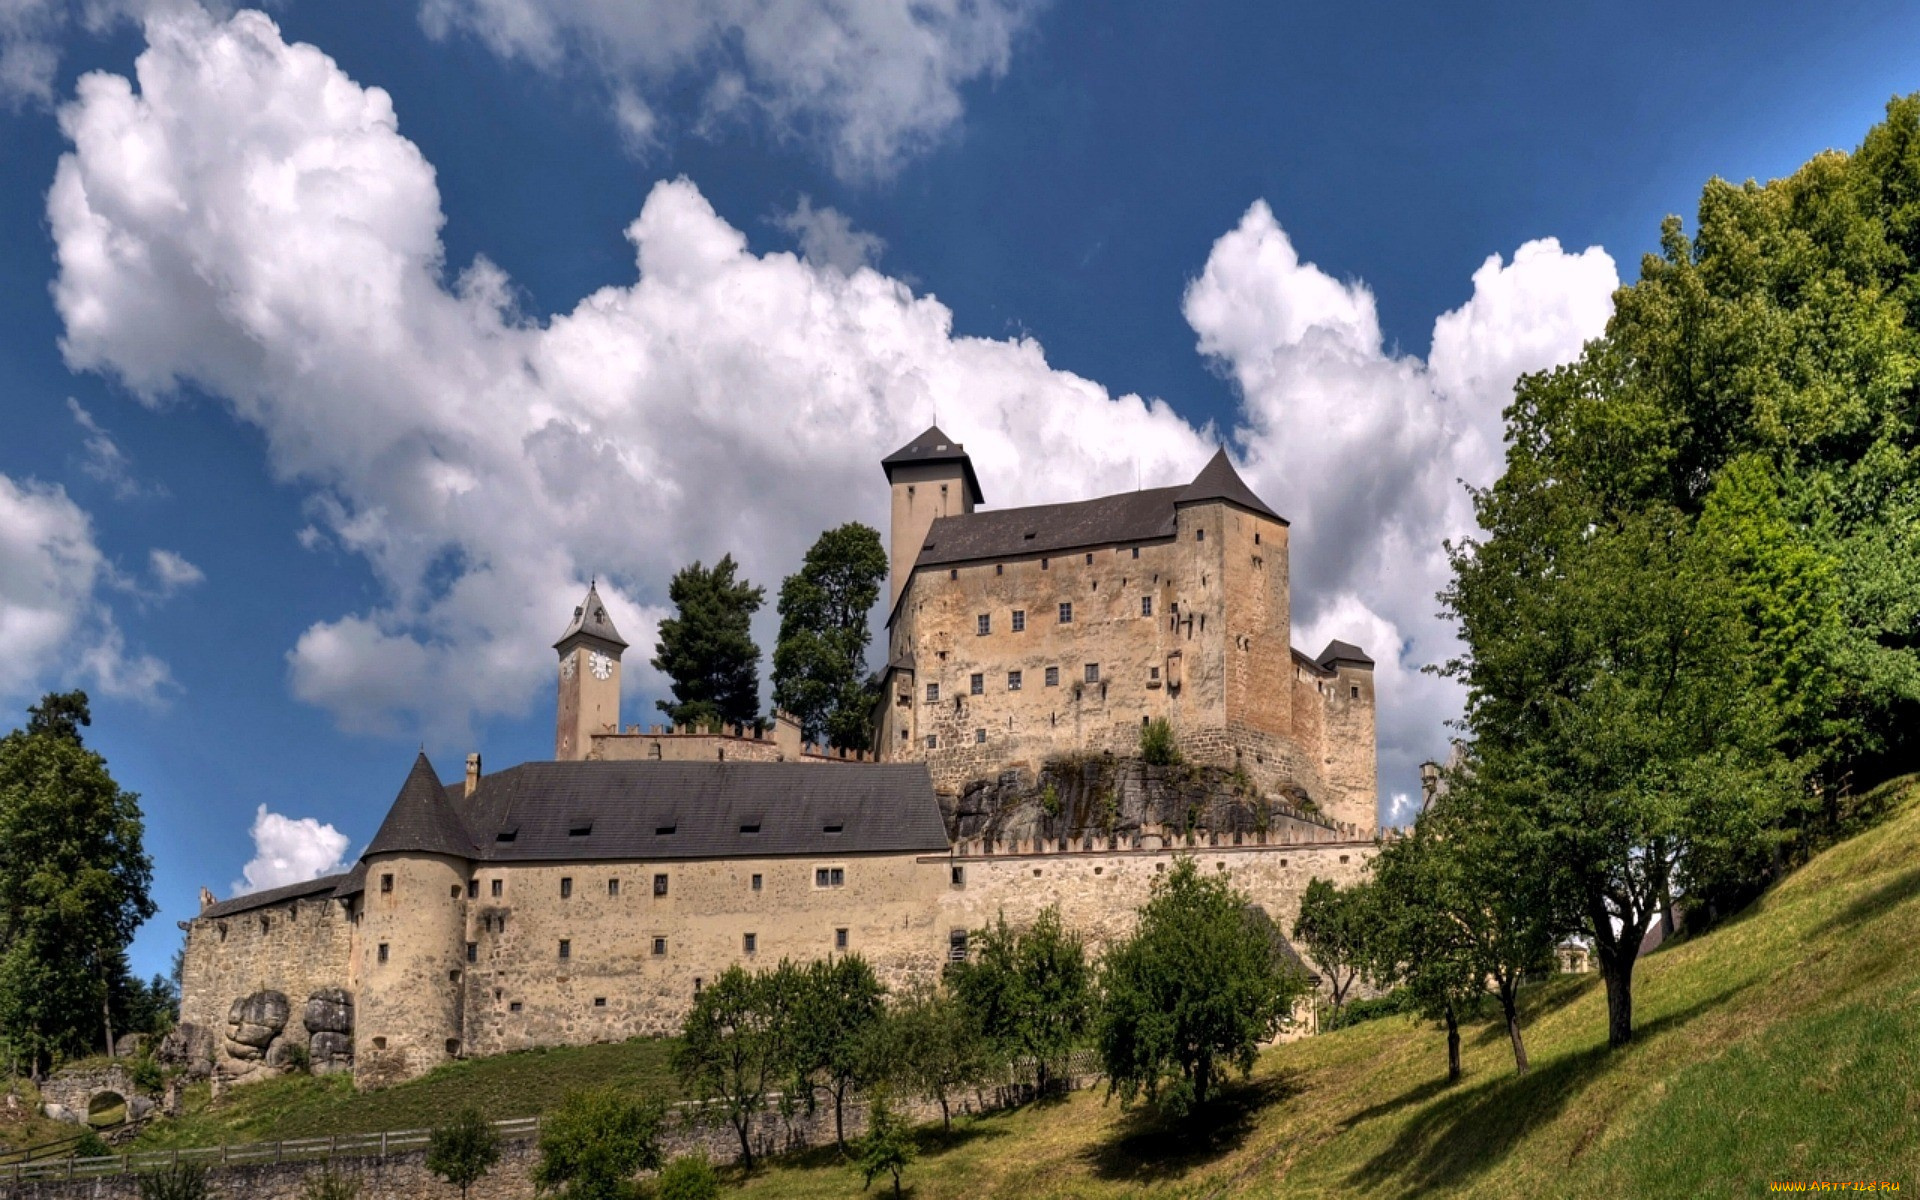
1256, 537
514, 1006
1153, 673
1093, 672
839, 939
613, 887
756, 881
957, 946
998, 569
566, 887
959, 876
697, 981
1053, 676
1013, 681
497, 885
1089, 560
473, 951
1066, 612
473, 889
749, 943
599, 1001
952, 574
566, 948
1146, 606
840, 875
983, 623
386, 884
933, 741
1355, 689
1136, 552
820, 877
979, 736
978, 684
659, 947
933, 693
1043, 564
380, 1043
1019, 620
383, 952
659, 885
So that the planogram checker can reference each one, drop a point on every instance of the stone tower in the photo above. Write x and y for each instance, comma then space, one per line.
589, 678
931, 477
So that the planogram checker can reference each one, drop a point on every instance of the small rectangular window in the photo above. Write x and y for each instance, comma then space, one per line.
1199, 535
1019, 620
1256, 537
513, 1006
933, 741
613, 887
1355, 689
839, 939
383, 952
473, 951
506, 835
498, 885
1153, 673
957, 946
983, 624
958, 875
933, 693
659, 885
953, 573
386, 884
749, 943
599, 1001
999, 569
659, 947
1089, 560
473, 889
750, 828
979, 736
664, 830
580, 829
1093, 672
566, 948
1066, 612
1013, 681
978, 684
1136, 552
1053, 676
1043, 564
756, 881
1146, 606
566, 887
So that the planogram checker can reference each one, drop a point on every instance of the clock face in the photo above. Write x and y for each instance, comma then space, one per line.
600, 665
566, 667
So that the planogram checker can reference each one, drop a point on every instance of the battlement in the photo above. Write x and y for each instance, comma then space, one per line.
1152, 839
717, 742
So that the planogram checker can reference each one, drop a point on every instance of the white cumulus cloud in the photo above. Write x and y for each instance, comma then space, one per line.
249, 220
289, 850
54, 628
828, 239
874, 81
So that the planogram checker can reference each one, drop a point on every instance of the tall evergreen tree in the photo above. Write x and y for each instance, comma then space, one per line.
820, 660
73, 886
706, 649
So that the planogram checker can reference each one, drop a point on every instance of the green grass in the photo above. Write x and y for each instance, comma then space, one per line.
1784, 1045
507, 1085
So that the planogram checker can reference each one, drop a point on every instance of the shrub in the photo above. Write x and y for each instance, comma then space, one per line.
887, 1147
181, 1181
1157, 747
299, 1062
330, 1185
688, 1177
1355, 1011
1050, 799
591, 1147
91, 1145
463, 1150
147, 1075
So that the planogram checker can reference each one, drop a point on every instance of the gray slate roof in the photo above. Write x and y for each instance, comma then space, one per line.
590, 620
1141, 516
324, 886
422, 819
934, 446
1339, 651
885, 808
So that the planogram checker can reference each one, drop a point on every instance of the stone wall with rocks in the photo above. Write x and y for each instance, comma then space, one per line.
294, 949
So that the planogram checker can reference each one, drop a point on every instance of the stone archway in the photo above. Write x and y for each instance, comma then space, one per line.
106, 1108
79, 1094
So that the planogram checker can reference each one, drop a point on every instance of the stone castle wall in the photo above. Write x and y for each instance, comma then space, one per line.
411, 964
296, 948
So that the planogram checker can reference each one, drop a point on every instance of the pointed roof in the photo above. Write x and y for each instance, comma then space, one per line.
1339, 651
1219, 481
422, 819
933, 446
590, 620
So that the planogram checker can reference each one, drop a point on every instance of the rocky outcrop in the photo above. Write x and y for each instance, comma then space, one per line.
1107, 796
189, 1047
329, 1021
254, 1022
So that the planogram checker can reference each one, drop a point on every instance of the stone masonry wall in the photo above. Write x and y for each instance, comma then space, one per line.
296, 948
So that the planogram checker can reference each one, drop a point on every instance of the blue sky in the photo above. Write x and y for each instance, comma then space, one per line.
293, 487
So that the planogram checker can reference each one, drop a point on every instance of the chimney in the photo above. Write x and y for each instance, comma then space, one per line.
473, 773
206, 899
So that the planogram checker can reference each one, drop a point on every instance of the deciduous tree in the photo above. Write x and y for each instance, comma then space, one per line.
1031, 990
820, 659
1332, 925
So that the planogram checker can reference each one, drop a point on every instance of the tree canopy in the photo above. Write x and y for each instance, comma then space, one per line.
706, 649
1031, 990
820, 659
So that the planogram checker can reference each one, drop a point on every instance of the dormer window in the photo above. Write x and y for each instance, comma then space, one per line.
580, 829
664, 830
506, 835
832, 827
750, 827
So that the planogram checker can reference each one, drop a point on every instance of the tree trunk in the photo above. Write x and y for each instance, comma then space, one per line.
946, 1119
746, 1147
106, 1008
839, 1120
1619, 975
1510, 1006
1453, 1045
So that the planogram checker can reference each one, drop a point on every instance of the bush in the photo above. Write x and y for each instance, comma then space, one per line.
463, 1150
181, 1181
688, 1177
1355, 1011
91, 1145
591, 1147
1156, 743
147, 1075
330, 1185
888, 1146
299, 1062
1050, 799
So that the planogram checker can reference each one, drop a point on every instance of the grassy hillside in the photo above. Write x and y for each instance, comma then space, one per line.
1783, 1046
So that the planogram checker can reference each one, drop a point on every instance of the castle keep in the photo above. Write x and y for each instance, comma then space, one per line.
590, 898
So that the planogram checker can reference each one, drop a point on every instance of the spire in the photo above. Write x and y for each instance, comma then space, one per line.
422, 819
934, 446
590, 620
1219, 481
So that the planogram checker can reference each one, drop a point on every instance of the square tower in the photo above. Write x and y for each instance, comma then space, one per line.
589, 678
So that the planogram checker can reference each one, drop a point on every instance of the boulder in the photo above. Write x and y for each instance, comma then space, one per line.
330, 1048
131, 1045
188, 1045
329, 1010
257, 1036
282, 1054
245, 1050
139, 1108
266, 1008
59, 1112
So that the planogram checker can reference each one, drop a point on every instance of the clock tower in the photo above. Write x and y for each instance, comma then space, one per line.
589, 678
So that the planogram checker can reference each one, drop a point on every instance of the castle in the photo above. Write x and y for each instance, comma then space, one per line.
591, 897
